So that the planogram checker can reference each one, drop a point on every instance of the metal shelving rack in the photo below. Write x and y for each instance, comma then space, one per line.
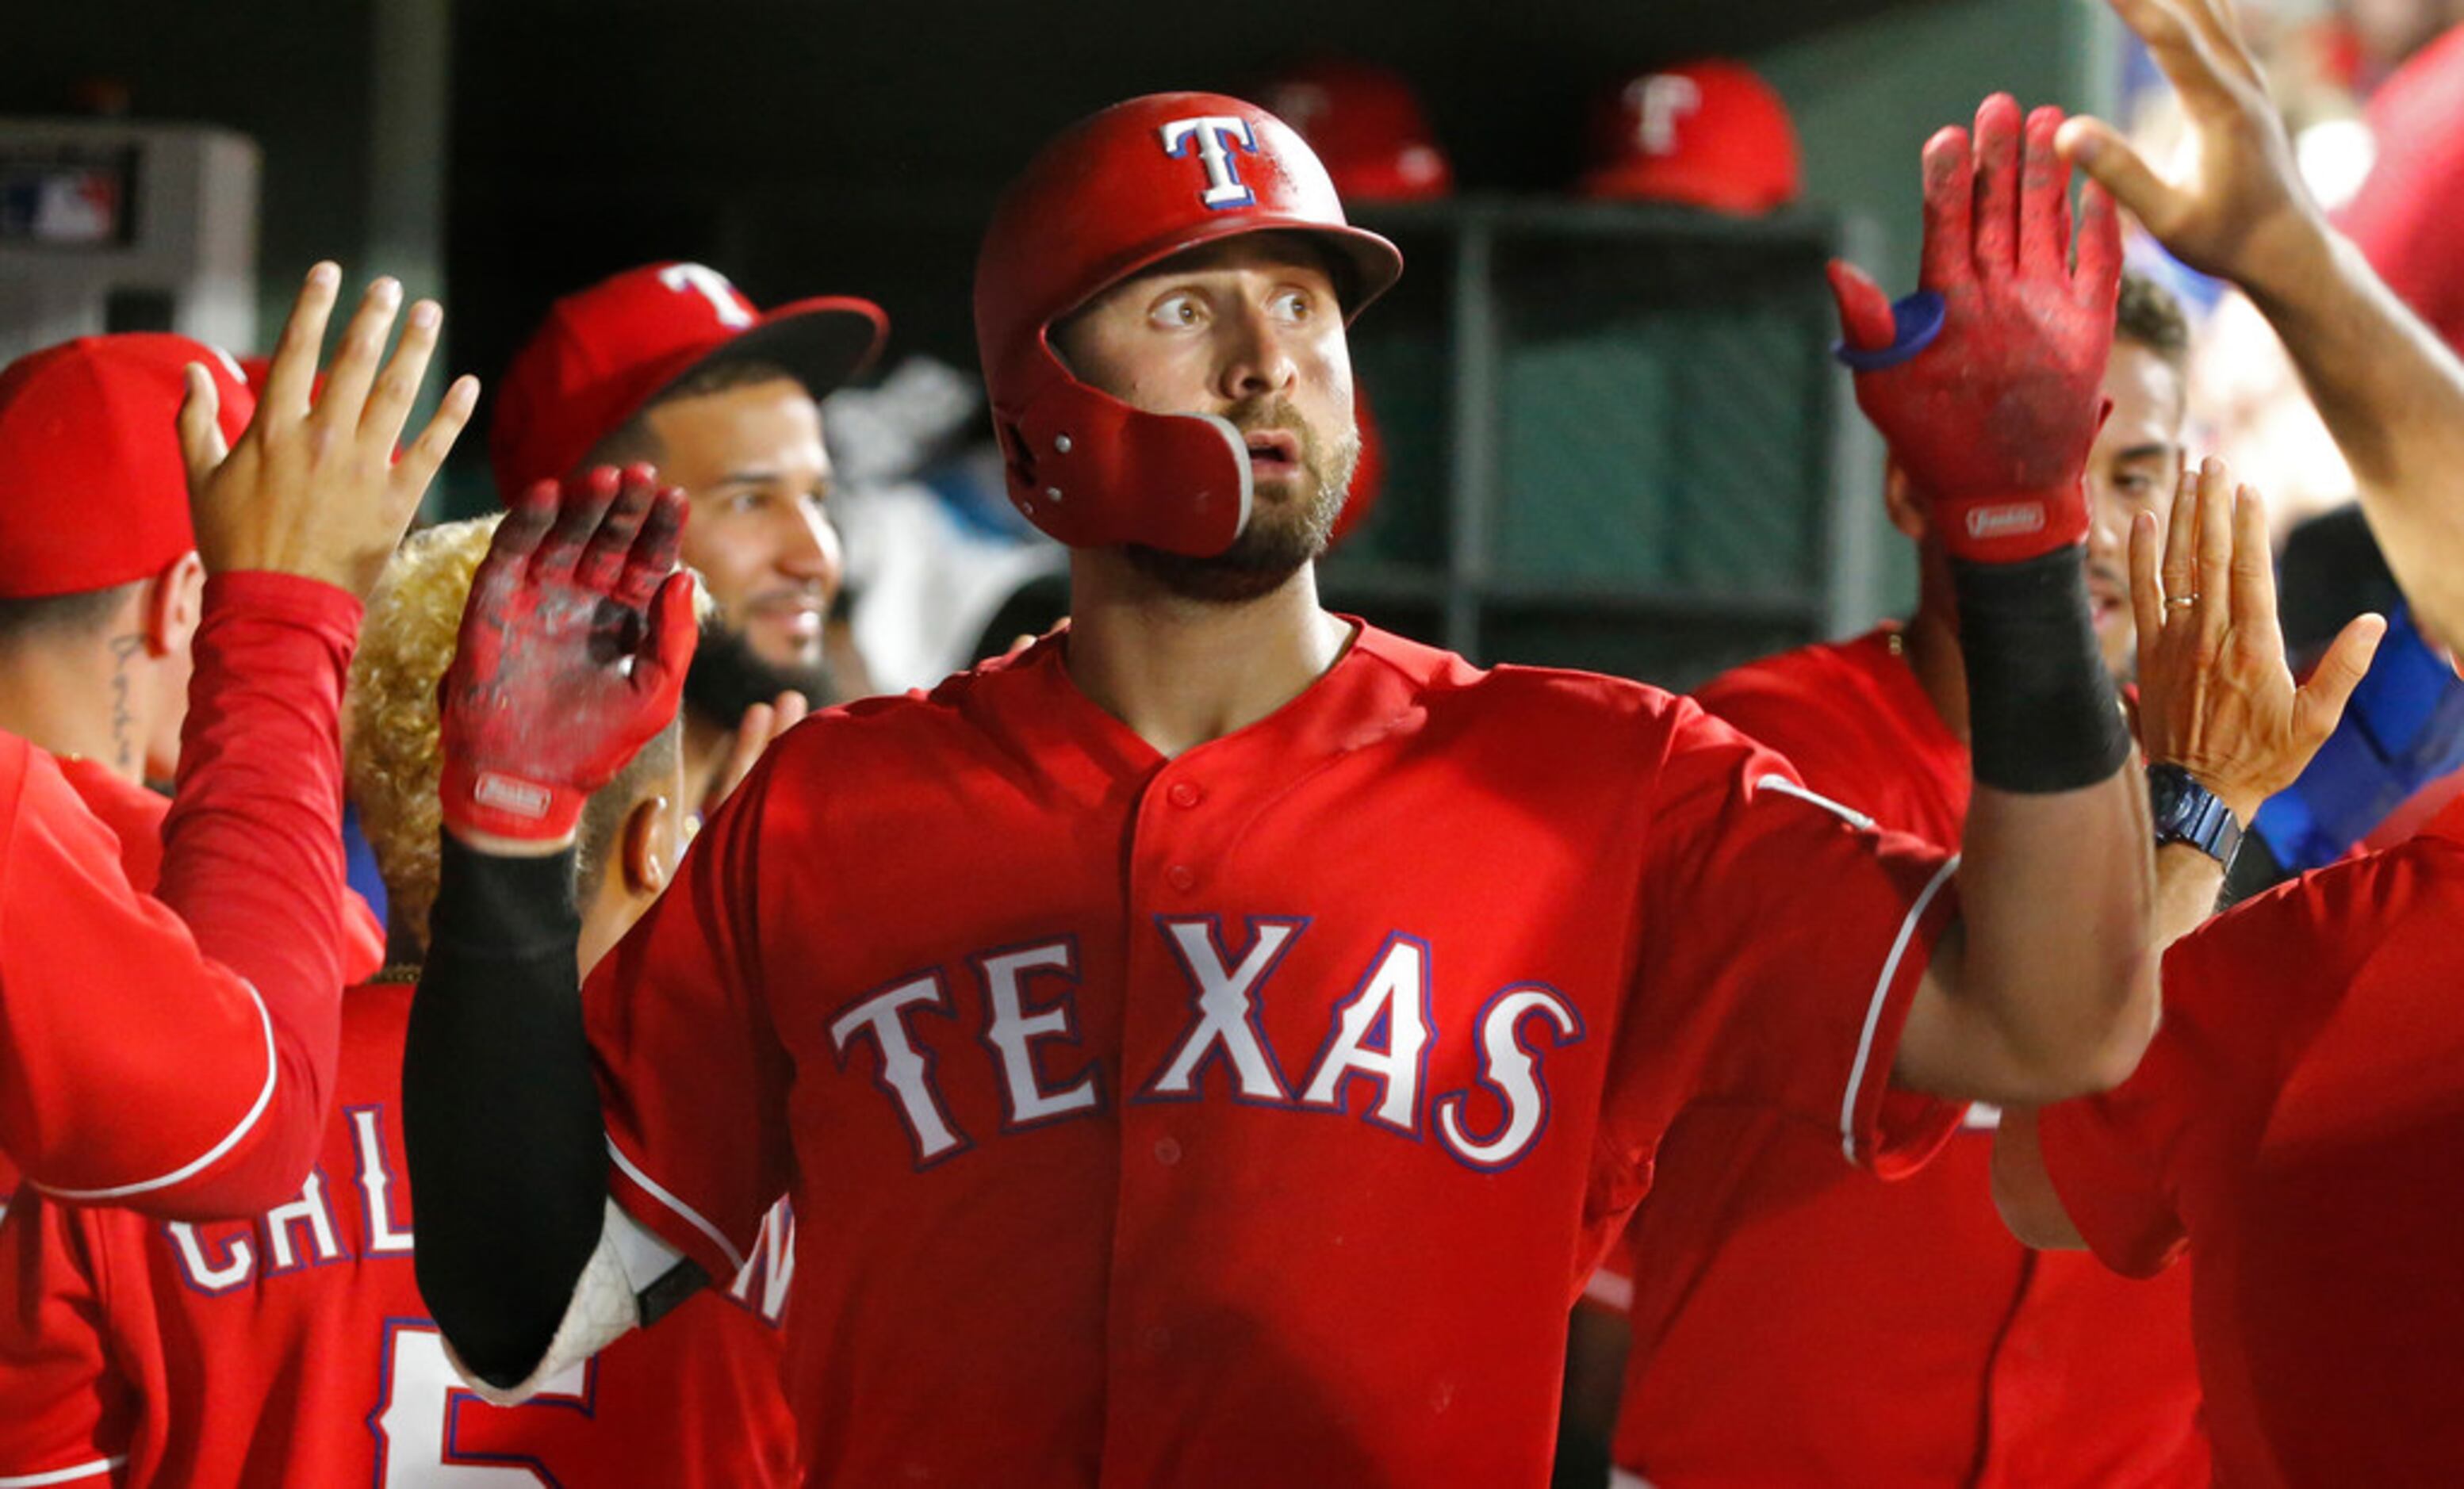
1613, 436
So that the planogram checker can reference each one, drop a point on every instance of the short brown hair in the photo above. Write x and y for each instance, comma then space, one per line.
632, 440
2148, 315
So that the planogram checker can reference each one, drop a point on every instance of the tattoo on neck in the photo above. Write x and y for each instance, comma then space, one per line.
124, 717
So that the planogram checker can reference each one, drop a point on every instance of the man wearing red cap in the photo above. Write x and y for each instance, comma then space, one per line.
669, 363
99, 598
177, 1055
1212, 1044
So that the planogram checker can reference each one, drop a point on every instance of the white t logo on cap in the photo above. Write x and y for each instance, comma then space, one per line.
1659, 101
712, 287
1215, 135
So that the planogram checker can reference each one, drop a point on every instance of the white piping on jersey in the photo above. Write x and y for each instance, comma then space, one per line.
1881, 996
63, 1476
214, 1154
1609, 1290
650, 1187
1789, 788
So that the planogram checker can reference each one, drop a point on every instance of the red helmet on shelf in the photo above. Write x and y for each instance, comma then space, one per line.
1707, 134
1366, 128
1113, 195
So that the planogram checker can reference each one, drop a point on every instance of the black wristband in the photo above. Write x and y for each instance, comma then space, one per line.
2042, 713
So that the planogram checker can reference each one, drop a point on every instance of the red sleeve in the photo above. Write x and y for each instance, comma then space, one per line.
214, 1014
363, 940
71, 1413
1786, 937
2241, 995
692, 1080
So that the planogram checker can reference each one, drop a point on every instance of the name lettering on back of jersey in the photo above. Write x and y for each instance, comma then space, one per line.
1374, 1059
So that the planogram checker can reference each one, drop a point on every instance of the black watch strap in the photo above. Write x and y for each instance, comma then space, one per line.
2188, 812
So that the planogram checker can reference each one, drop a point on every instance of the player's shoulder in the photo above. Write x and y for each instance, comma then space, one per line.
1826, 676
2314, 930
1452, 683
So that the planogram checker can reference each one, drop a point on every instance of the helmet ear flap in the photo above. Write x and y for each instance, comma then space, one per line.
1016, 453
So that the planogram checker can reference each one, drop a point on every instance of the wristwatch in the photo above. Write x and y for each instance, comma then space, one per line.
2188, 812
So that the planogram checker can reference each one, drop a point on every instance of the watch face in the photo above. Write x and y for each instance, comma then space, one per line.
2169, 798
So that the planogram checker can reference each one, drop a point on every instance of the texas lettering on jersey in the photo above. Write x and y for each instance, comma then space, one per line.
1382, 1035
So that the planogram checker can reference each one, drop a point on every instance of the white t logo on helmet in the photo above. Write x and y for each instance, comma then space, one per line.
1216, 136
714, 287
1659, 101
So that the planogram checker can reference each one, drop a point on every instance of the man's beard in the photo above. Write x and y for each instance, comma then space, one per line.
1281, 537
728, 678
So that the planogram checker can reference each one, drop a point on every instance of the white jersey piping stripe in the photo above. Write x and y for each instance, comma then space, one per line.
1881, 996
62, 1475
1609, 1290
1789, 788
651, 1188
211, 1156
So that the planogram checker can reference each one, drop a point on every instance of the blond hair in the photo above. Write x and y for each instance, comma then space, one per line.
395, 760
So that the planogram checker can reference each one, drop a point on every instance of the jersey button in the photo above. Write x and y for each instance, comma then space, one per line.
1181, 877
1167, 1151
1185, 793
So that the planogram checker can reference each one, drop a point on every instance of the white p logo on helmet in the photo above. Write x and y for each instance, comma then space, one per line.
1216, 136
713, 286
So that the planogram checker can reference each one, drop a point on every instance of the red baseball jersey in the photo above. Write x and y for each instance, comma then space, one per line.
134, 817
294, 1349
211, 1011
2400, 218
1251, 1116
1796, 1324
2296, 1128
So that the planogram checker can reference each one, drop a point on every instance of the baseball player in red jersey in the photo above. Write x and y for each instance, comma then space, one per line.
669, 363
293, 1349
211, 1011
99, 598
1214, 1044
2294, 1121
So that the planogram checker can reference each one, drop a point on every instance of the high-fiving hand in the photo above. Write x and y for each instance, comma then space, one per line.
313, 487
2215, 696
2236, 207
1993, 416
571, 657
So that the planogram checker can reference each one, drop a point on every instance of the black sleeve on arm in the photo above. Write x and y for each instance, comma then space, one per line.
501, 1113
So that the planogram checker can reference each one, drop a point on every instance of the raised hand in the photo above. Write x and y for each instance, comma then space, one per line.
762, 723
571, 656
2236, 206
2215, 696
1988, 383
313, 487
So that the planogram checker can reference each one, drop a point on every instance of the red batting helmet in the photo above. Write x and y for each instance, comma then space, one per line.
1706, 134
1366, 126
1113, 195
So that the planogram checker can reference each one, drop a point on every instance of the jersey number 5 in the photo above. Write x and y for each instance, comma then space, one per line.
419, 1409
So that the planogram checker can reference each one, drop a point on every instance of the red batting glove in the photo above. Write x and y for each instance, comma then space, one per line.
572, 654
1992, 417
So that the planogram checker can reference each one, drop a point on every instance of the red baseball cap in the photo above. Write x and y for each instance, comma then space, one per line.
606, 352
1366, 128
1707, 134
94, 490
